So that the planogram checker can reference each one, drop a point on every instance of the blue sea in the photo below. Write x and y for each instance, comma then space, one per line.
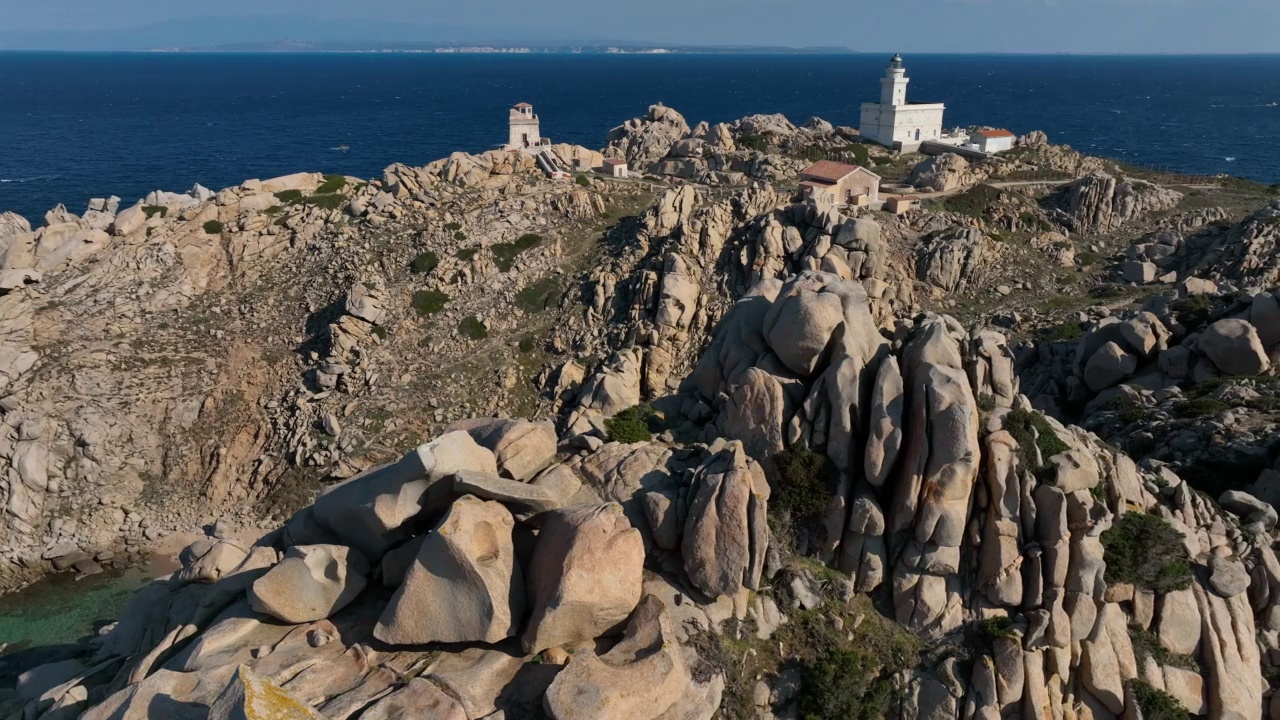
76, 126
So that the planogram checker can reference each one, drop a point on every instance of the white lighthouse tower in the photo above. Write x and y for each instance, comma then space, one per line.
896, 123
893, 86
524, 132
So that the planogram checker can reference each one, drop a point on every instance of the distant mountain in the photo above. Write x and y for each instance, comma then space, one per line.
291, 33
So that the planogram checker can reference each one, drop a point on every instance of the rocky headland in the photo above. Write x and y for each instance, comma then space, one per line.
670, 447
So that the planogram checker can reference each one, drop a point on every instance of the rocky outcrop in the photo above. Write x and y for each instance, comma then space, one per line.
943, 173
1102, 202
465, 585
644, 141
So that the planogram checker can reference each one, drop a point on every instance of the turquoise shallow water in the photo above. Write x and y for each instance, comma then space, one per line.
60, 609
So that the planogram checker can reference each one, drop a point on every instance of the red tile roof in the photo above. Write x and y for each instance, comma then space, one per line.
614, 161
828, 171
996, 133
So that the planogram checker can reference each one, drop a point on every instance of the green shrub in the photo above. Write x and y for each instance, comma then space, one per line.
1146, 551
459, 236
538, 296
152, 210
759, 143
272, 211
429, 302
471, 327
466, 254
807, 481
504, 254
1064, 332
842, 684
1147, 644
1200, 407
332, 201
1032, 430
424, 263
452, 227
986, 402
999, 626
583, 180
213, 227
973, 202
1156, 704
1193, 311
289, 197
380, 331
331, 184
527, 344
635, 424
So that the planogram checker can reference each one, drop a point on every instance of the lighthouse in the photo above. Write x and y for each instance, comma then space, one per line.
896, 123
524, 133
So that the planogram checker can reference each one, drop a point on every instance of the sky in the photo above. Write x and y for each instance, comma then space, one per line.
944, 26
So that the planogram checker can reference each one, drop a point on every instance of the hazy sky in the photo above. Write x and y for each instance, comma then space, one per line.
1171, 26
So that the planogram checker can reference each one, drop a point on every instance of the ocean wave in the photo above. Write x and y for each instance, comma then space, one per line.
37, 178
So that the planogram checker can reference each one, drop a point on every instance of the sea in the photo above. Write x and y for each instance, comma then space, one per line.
79, 125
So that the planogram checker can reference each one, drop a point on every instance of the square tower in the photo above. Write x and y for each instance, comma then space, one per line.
524, 133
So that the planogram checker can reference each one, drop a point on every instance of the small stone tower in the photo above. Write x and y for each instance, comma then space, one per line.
524, 128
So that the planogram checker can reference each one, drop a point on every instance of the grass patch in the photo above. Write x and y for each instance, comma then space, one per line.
472, 328
1146, 551
213, 227
1156, 704
1064, 332
1200, 407
153, 210
973, 202
528, 344
331, 201
289, 197
538, 296
424, 263
429, 302
505, 254
467, 254
635, 424
1033, 431
331, 184
583, 180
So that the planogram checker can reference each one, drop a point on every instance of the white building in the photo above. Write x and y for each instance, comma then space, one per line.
992, 141
896, 123
524, 133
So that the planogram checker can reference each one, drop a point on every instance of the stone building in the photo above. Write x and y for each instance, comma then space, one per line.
896, 123
524, 133
836, 183
992, 141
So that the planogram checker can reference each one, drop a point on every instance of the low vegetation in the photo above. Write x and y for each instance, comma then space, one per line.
807, 481
635, 424
429, 302
538, 296
153, 210
1033, 432
973, 202
583, 180
505, 254
467, 254
213, 227
424, 263
1147, 644
289, 197
331, 184
1147, 551
1200, 407
1193, 311
472, 328
1064, 332
1156, 704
